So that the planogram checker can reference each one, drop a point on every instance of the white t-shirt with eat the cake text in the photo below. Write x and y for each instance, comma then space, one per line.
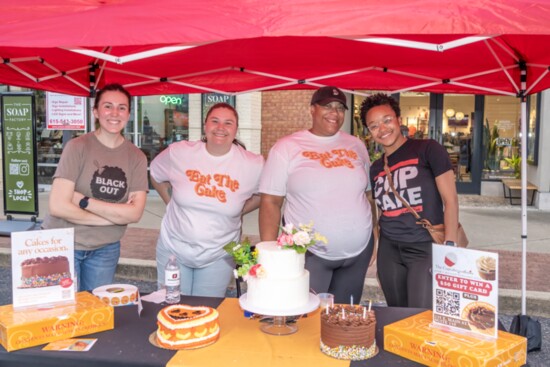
208, 195
324, 180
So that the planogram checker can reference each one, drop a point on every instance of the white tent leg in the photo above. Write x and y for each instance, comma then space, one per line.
523, 195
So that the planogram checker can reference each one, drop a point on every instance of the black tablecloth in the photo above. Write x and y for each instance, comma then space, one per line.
128, 343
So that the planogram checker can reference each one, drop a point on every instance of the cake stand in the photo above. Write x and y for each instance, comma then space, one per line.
279, 325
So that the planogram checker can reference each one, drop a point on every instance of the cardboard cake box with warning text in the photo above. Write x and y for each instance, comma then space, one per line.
414, 338
30, 327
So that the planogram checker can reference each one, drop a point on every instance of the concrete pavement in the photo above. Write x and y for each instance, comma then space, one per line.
490, 222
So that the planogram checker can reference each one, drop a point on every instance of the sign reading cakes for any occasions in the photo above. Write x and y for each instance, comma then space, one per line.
465, 290
42, 265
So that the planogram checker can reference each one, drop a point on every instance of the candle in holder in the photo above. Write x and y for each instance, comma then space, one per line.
351, 300
364, 312
370, 304
343, 314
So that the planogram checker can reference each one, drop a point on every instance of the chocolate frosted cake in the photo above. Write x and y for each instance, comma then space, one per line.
347, 332
44, 271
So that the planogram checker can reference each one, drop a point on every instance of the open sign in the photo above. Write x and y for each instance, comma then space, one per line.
170, 100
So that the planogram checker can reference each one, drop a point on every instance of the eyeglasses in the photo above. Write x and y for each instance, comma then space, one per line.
334, 106
385, 121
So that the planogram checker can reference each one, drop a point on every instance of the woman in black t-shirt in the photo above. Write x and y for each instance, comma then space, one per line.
423, 176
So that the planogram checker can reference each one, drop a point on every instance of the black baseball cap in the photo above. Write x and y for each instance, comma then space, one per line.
325, 95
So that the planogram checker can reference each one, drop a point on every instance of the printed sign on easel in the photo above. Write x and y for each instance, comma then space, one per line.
42, 264
465, 289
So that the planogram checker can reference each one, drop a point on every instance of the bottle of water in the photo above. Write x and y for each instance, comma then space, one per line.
172, 280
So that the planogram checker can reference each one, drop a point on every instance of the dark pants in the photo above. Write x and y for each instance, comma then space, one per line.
405, 272
342, 278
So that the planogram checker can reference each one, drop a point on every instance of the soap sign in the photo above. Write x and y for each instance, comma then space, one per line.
19, 152
465, 289
210, 99
42, 265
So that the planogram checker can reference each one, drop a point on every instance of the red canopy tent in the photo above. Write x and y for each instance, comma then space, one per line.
170, 46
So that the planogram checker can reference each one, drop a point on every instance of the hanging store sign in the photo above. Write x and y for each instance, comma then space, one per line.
210, 99
65, 112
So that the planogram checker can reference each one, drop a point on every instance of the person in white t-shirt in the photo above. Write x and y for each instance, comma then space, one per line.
208, 186
323, 175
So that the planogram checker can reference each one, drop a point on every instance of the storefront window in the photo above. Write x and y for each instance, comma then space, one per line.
458, 120
359, 130
533, 104
49, 142
162, 120
501, 137
155, 122
415, 114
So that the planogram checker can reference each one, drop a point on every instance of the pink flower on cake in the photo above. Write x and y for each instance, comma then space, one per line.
285, 239
253, 269
299, 238
257, 271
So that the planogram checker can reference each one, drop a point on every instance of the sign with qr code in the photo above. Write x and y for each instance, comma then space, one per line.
465, 289
19, 154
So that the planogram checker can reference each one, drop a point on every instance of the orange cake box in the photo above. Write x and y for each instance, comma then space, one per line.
29, 327
413, 338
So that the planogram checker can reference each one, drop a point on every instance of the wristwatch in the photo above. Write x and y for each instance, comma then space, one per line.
83, 204
449, 243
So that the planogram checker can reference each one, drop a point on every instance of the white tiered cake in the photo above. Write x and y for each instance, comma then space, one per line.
284, 284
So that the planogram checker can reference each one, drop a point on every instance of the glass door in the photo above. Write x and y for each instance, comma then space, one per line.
451, 120
454, 120
459, 131
501, 129
415, 114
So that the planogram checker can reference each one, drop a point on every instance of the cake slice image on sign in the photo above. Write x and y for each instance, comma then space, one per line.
45, 272
480, 317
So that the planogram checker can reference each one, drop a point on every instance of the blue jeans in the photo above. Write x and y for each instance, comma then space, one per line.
210, 281
95, 268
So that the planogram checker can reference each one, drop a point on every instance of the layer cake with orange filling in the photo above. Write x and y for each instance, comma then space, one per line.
187, 327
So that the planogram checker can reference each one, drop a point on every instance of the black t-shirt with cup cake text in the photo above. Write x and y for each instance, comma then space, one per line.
414, 166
